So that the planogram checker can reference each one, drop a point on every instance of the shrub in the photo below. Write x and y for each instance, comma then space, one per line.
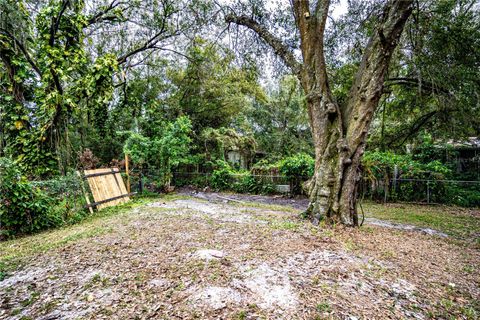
222, 176
379, 169
297, 169
264, 167
23, 208
163, 152
300, 165
226, 178
381, 165
87, 160
247, 183
465, 196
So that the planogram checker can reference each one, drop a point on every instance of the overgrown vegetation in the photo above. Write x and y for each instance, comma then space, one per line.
28, 207
165, 151
82, 84
407, 179
262, 178
23, 208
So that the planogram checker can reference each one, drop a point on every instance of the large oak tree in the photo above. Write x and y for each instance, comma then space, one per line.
339, 131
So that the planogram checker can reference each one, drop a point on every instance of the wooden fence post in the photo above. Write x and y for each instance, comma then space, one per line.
127, 172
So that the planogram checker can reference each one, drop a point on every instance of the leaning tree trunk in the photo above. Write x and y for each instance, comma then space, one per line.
339, 132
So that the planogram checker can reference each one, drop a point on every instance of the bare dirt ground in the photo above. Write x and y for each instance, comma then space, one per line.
189, 258
300, 203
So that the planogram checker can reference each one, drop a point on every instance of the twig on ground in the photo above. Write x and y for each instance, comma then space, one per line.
230, 199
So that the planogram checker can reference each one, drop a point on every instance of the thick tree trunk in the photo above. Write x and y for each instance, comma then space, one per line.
339, 132
333, 188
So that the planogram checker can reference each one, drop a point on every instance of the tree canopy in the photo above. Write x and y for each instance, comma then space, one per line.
78, 75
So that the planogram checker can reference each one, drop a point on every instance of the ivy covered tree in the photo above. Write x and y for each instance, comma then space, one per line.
57, 83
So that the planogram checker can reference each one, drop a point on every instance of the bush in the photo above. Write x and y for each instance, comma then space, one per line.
466, 196
300, 165
264, 167
381, 165
297, 169
379, 170
23, 208
247, 183
226, 178
163, 152
87, 160
222, 176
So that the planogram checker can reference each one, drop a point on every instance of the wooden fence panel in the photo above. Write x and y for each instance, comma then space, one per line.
106, 184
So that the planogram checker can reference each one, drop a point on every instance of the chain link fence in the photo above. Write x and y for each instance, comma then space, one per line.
67, 192
247, 182
455, 192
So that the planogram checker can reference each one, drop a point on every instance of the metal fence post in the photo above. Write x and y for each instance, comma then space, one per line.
395, 174
428, 191
385, 189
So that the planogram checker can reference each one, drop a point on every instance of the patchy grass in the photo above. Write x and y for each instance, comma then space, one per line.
100, 223
457, 222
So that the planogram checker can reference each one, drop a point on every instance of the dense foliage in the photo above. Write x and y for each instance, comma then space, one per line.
281, 123
82, 83
382, 165
67, 87
163, 152
390, 176
227, 178
30, 206
23, 207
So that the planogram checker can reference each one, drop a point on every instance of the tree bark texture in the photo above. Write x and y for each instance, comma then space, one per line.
339, 132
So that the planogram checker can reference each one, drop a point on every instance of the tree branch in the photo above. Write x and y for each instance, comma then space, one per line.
311, 27
103, 14
176, 52
321, 15
413, 82
280, 49
53, 31
369, 82
23, 49
420, 122
56, 23
152, 42
148, 45
302, 17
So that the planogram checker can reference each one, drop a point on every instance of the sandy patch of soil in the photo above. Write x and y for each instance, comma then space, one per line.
299, 203
190, 258
406, 227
